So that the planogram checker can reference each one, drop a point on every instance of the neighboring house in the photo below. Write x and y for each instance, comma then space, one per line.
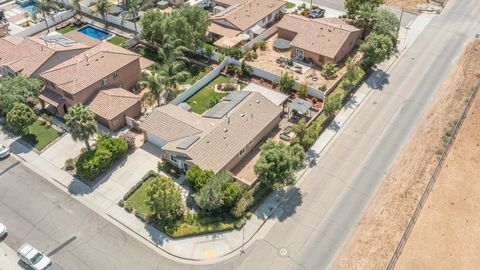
79, 80
199, 3
31, 56
243, 20
218, 139
113, 106
319, 40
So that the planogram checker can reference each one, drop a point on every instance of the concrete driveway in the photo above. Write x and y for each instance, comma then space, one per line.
115, 184
63, 149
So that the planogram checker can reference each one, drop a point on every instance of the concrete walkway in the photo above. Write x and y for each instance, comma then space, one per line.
8, 258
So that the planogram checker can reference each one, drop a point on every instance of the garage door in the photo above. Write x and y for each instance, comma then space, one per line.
155, 139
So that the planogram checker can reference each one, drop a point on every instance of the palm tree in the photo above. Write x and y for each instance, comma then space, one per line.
172, 74
76, 6
365, 17
154, 82
45, 7
134, 7
103, 7
81, 122
172, 50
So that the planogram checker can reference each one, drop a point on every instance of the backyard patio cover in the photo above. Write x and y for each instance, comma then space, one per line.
229, 42
274, 96
300, 105
257, 29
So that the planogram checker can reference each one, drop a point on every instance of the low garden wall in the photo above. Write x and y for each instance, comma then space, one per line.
51, 21
256, 71
263, 36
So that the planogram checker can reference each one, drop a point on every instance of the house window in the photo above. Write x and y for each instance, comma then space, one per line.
104, 81
250, 143
263, 20
115, 74
299, 53
241, 152
172, 158
269, 17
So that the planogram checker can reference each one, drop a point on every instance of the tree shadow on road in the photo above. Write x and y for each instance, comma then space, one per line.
282, 205
378, 80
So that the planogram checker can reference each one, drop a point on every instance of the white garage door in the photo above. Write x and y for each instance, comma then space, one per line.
155, 139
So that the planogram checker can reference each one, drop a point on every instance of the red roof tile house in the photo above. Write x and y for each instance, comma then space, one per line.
33, 55
100, 77
320, 40
242, 20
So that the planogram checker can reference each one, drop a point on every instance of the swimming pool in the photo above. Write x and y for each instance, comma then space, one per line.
94, 32
28, 6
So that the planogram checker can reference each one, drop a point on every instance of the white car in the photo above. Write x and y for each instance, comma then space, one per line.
34, 258
4, 151
3, 230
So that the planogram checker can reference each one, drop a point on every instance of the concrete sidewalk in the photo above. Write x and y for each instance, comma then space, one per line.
8, 258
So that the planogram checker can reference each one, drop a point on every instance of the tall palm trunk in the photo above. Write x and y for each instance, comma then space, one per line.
87, 144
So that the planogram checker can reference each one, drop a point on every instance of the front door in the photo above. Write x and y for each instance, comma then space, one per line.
299, 53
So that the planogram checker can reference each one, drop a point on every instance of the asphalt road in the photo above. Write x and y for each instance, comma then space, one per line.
334, 195
74, 236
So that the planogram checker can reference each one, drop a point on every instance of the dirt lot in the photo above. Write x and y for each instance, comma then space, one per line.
409, 5
446, 236
373, 242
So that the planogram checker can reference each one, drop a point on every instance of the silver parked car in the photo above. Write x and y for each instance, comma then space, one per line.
3, 230
4, 151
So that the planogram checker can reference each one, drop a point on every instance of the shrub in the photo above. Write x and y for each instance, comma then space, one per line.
251, 55
121, 203
239, 223
92, 163
70, 164
168, 168
243, 204
116, 146
129, 138
197, 177
322, 88
231, 69
263, 45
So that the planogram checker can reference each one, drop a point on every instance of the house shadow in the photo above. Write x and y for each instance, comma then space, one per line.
311, 158
288, 200
351, 103
334, 126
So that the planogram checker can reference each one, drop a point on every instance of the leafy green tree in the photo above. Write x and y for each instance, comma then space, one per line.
19, 118
231, 193
164, 198
172, 50
102, 8
353, 6
285, 83
245, 201
386, 23
153, 81
17, 89
234, 52
302, 90
353, 73
210, 198
186, 23
333, 103
329, 70
81, 122
377, 49
305, 135
197, 178
278, 163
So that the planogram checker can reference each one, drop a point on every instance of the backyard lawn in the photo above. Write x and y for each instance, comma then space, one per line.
40, 135
289, 5
66, 29
117, 40
202, 100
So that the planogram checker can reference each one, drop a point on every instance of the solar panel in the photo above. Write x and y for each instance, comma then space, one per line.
227, 104
59, 39
186, 143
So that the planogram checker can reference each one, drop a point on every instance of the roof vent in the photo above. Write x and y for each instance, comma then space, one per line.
225, 130
242, 114
257, 101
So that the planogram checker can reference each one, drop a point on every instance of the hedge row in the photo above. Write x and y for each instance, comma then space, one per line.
93, 163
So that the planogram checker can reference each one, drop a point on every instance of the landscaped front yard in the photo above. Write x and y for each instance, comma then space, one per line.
40, 135
204, 99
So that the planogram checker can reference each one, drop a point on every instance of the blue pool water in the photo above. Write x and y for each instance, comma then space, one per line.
94, 32
28, 6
